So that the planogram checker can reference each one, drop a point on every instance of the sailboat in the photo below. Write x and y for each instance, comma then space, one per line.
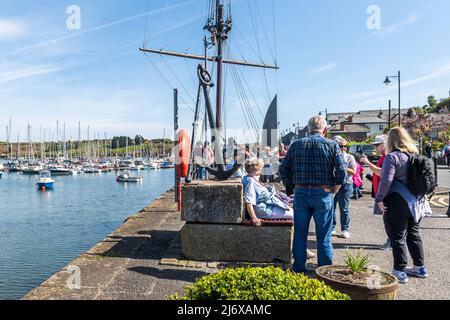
219, 25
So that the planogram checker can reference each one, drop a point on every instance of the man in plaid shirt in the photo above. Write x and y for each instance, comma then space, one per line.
315, 166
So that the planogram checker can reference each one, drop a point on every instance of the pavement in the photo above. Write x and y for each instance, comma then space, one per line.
142, 259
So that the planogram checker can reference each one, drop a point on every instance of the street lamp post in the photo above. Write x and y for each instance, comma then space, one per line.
390, 115
388, 82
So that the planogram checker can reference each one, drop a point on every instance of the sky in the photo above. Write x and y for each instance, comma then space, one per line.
56, 65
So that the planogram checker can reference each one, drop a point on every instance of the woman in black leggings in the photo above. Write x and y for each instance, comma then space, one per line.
402, 211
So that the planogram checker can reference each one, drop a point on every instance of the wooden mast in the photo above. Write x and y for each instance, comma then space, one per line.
219, 27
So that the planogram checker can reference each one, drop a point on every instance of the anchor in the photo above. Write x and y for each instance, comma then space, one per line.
205, 82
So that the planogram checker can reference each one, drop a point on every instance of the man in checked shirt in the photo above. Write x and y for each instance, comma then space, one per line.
316, 167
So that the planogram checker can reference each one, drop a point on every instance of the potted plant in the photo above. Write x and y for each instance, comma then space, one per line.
358, 279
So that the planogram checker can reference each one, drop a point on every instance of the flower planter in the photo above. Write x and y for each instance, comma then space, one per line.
370, 285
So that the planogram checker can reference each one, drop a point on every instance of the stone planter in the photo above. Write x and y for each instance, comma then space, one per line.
379, 286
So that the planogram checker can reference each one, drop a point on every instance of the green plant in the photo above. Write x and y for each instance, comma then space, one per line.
259, 284
358, 262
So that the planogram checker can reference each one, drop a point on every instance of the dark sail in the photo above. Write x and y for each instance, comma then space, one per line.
270, 127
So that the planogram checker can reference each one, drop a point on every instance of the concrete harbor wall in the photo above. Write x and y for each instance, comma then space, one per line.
126, 264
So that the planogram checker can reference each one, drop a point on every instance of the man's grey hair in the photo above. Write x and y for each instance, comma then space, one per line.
317, 124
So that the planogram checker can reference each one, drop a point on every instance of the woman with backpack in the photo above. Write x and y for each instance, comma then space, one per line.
403, 211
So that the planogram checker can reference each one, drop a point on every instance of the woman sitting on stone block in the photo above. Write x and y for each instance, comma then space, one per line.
263, 202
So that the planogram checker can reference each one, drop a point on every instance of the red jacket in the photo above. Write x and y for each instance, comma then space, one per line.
375, 178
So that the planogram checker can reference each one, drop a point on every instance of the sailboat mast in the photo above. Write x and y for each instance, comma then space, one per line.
220, 40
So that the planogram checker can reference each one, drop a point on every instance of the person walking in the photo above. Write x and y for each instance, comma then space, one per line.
358, 179
317, 169
342, 198
380, 145
402, 211
446, 153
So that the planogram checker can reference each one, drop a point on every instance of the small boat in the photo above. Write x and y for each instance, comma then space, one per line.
126, 177
11, 166
45, 180
31, 169
153, 166
59, 171
133, 167
167, 165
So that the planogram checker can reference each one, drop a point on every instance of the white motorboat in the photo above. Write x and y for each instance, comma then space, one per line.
126, 177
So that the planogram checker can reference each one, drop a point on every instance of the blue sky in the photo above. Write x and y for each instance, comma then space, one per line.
328, 56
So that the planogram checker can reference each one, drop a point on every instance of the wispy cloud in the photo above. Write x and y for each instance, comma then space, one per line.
325, 68
10, 29
437, 73
96, 28
27, 72
440, 72
394, 28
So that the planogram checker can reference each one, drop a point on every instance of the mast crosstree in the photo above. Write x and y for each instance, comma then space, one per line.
219, 28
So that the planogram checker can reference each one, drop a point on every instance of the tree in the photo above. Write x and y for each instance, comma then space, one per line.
443, 104
432, 102
138, 140
121, 142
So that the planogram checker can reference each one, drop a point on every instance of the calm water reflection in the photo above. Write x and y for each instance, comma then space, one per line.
41, 232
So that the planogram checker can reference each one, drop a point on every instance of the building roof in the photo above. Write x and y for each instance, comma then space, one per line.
368, 119
363, 113
349, 128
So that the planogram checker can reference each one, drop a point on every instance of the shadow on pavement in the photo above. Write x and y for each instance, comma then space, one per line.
170, 274
151, 246
356, 246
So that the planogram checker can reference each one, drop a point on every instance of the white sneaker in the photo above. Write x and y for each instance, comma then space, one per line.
401, 276
345, 235
333, 233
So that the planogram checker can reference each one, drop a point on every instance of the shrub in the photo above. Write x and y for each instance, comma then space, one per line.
259, 284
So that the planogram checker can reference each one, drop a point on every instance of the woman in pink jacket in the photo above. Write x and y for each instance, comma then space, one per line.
358, 180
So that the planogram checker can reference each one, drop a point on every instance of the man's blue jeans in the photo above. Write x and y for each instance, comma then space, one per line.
342, 199
317, 204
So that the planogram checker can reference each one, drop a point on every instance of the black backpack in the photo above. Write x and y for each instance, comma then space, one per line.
421, 176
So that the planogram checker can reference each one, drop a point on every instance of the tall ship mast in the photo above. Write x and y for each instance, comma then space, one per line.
219, 25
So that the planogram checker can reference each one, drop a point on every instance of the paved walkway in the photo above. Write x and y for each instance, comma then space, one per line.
142, 259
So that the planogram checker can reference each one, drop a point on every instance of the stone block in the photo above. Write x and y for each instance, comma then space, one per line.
237, 243
211, 201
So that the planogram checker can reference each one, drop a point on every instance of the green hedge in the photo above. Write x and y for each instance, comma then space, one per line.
259, 284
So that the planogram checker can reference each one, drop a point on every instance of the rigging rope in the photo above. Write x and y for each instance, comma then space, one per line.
146, 25
245, 105
178, 79
258, 11
167, 81
250, 89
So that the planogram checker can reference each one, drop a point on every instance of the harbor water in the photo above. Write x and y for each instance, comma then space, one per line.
42, 232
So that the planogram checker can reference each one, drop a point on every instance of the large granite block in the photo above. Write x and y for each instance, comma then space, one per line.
237, 243
212, 201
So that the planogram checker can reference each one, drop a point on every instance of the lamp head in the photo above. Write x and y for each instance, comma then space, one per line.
387, 81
